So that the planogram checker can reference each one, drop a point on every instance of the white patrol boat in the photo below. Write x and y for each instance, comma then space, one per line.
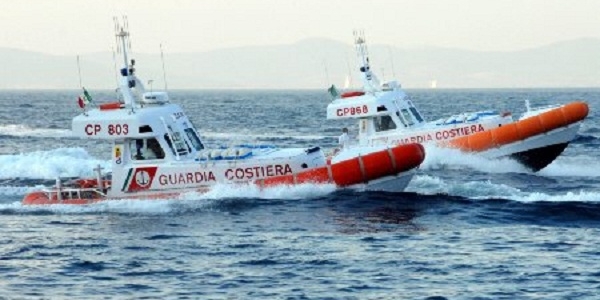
157, 153
387, 116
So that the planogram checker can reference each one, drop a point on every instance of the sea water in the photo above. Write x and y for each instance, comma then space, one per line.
466, 227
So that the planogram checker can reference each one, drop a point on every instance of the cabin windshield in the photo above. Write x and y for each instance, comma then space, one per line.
408, 117
176, 142
401, 119
416, 114
144, 149
179, 147
191, 134
384, 123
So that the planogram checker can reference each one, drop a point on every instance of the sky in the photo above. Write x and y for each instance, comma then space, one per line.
67, 27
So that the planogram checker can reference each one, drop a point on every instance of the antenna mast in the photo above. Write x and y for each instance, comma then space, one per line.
370, 81
162, 58
128, 79
360, 42
122, 33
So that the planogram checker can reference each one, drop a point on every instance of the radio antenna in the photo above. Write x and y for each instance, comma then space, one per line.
392, 61
122, 31
326, 71
126, 25
79, 72
162, 58
351, 83
115, 65
116, 21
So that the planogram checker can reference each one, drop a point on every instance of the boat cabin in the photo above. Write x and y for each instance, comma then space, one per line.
389, 109
155, 130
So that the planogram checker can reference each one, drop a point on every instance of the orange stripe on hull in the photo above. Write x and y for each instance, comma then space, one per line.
362, 169
523, 129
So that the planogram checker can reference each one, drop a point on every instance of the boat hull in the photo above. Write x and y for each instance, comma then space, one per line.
539, 151
538, 126
50, 198
534, 141
382, 169
539, 158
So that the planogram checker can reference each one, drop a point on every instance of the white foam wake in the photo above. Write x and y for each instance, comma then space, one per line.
436, 158
429, 185
62, 162
186, 202
254, 136
573, 167
17, 190
288, 192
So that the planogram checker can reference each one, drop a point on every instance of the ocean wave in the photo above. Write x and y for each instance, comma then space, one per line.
437, 158
21, 130
482, 190
61, 162
222, 197
256, 136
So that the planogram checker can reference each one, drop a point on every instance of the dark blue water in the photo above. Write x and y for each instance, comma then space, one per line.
467, 227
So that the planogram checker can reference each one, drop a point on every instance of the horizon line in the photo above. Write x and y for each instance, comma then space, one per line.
413, 47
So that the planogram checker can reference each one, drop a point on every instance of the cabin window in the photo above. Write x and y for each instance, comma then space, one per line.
416, 114
145, 129
144, 149
400, 118
191, 134
168, 140
384, 123
408, 117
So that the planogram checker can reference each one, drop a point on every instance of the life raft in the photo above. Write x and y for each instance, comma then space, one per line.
522, 129
110, 106
67, 196
352, 94
86, 183
81, 196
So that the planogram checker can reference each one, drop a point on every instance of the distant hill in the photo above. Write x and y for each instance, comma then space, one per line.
316, 63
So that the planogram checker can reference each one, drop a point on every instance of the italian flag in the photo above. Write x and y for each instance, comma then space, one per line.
85, 99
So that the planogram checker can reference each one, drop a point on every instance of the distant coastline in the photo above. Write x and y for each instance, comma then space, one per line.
316, 64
